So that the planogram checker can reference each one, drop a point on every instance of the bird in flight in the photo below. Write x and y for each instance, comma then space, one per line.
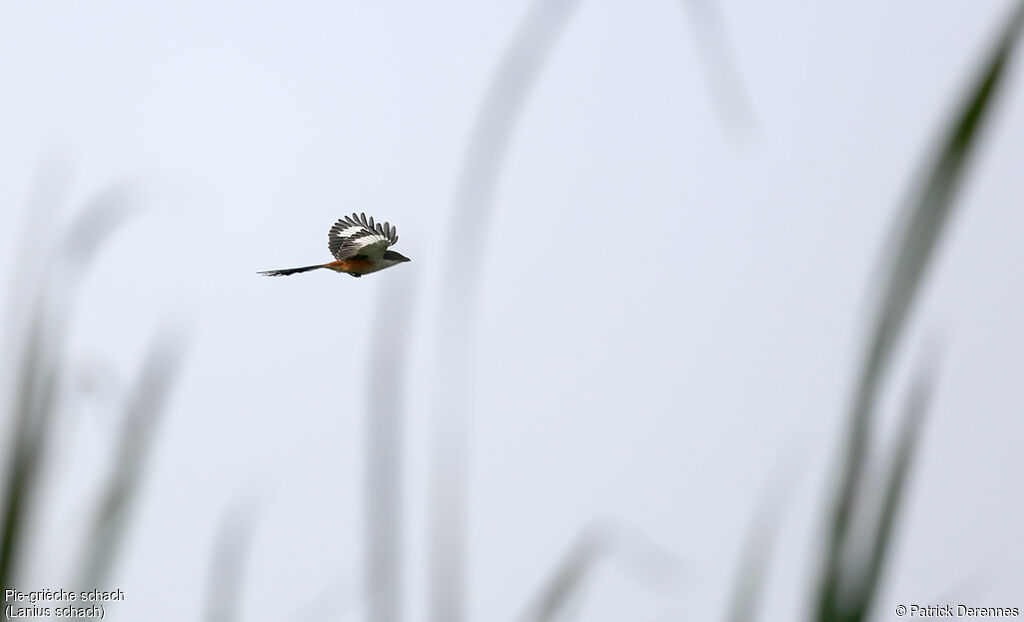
359, 246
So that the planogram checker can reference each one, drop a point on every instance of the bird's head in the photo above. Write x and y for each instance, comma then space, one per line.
393, 256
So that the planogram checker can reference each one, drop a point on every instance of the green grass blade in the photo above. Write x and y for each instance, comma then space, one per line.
893, 490
756, 554
598, 545
384, 448
711, 39
568, 580
156, 378
915, 238
41, 361
228, 560
504, 101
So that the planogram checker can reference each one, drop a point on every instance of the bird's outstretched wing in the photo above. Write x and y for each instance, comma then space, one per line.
358, 235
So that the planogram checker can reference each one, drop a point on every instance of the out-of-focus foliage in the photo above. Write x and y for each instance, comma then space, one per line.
36, 381
846, 590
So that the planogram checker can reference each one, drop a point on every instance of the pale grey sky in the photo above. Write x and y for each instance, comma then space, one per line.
670, 313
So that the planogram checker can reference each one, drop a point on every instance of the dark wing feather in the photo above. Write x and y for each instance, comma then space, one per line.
358, 235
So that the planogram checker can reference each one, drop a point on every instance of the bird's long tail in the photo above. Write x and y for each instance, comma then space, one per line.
288, 271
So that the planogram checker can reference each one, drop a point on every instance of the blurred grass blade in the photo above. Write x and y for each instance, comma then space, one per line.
912, 246
711, 39
156, 378
596, 545
756, 554
893, 489
568, 580
499, 113
50, 189
41, 357
227, 565
384, 427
